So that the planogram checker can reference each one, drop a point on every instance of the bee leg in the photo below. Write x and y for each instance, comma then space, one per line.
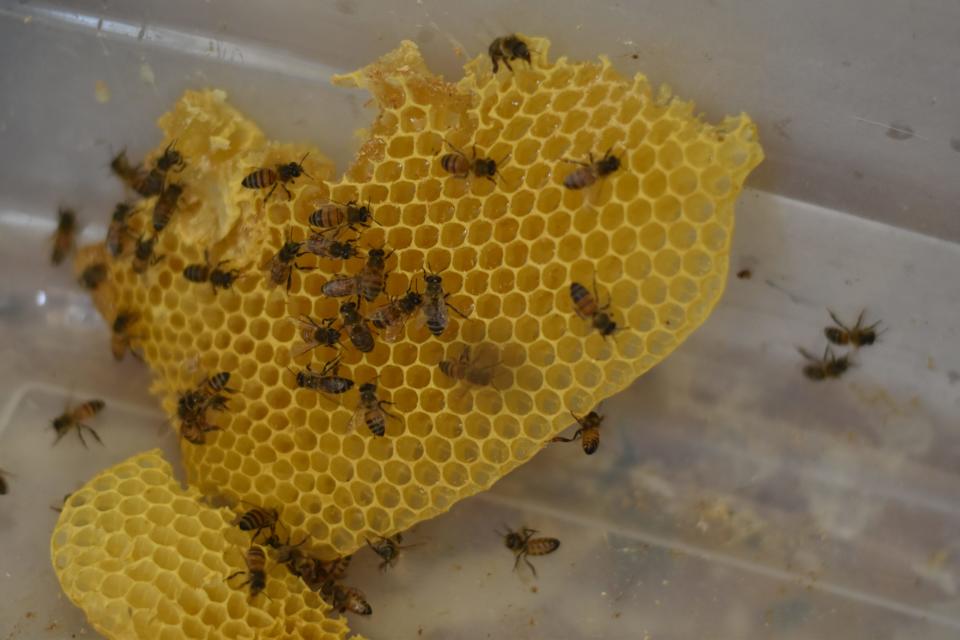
289, 195
530, 564
270, 193
837, 322
506, 63
234, 575
92, 432
80, 435
459, 313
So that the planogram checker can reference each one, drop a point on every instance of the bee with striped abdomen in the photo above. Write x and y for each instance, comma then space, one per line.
507, 48
391, 318
315, 334
155, 180
857, 336
280, 175
590, 172
166, 205
286, 553
460, 166
134, 176
336, 215
588, 432
118, 232
65, 235
207, 272
143, 255
370, 410
373, 277
388, 549
356, 327
321, 244
195, 429
434, 308
587, 307
326, 381
341, 286
256, 571
258, 519
120, 337
343, 598
93, 275
829, 366
467, 368
74, 419
281, 265
216, 384
523, 544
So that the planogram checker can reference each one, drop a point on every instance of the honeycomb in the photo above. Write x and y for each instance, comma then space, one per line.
655, 235
145, 558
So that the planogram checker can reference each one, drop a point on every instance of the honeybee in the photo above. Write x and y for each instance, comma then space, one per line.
373, 277
4, 486
315, 335
216, 384
467, 368
286, 553
829, 366
73, 419
195, 429
370, 410
256, 572
257, 519
93, 275
392, 316
322, 245
344, 598
65, 235
282, 264
117, 231
282, 174
171, 159
523, 544
134, 176
590, 172
336, 215
507, 48
156, 178
206, 272
165, 205
120, 337
336, 569
460, 166
326, 381
388, 549
341, 286
435, 304
588, 433
586, 305
143, 256
356, 326
858, 336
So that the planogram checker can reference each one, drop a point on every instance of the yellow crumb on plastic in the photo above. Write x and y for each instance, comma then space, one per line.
146, 73
656, 234
101, 92
145, 558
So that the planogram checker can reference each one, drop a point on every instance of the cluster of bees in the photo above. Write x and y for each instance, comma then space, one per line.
830, 365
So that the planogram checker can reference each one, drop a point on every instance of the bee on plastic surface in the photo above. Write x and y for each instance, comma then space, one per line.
280, 175
459, 165
258, 519
506, 49
74, 419
588, 433
326, 381
336, 215
281, 265
370, 410
590, 172
388, 549
857, 336
343, 598
587, 307
93, 275
4, 485
314, 334
166, 205
466, 367
829, 366
323, 245
118, 232
120, 336
391, 318
523, 544
143, 254
356, 327
65, 235
212, 273
373, 277
256, 572
434, 308
134, 177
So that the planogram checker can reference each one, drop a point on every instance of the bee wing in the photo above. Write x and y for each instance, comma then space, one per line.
394, 331
358, 419
302, 348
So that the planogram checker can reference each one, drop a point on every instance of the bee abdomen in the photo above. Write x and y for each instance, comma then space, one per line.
376, 423
259, 179
582, 299
90, 409
836, 336
337, 384
582, 177
455, 164
591, 441
196, 272
542, 546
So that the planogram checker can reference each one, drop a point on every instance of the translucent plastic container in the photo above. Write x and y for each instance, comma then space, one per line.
730, 497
